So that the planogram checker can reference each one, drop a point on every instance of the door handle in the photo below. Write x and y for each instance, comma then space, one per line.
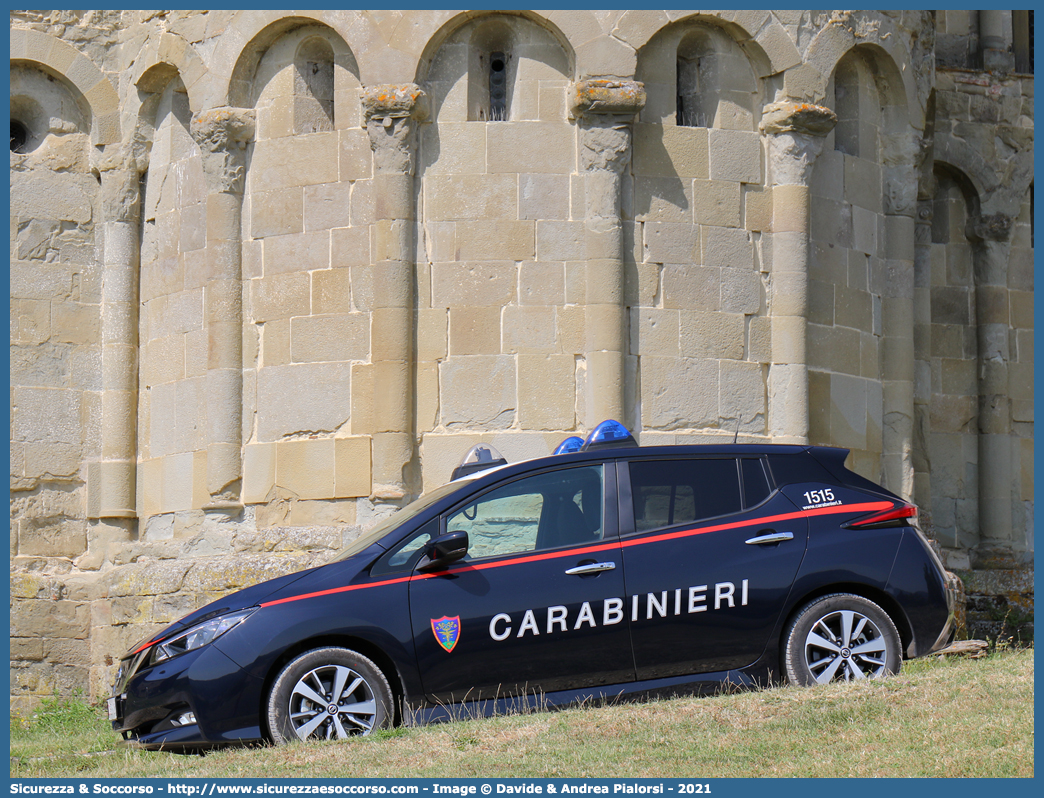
591, 568
774, 537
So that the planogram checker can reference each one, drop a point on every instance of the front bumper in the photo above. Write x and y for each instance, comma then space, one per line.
152, 710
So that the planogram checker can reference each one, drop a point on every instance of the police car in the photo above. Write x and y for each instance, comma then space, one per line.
604, 571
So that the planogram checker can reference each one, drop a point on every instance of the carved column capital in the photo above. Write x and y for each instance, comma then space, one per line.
222, 135
390, 112
795, 134
605, 110
990, 227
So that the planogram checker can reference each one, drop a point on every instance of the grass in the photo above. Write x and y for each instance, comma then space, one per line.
939, 717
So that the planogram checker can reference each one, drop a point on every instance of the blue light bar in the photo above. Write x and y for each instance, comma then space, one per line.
609, 435
569, 445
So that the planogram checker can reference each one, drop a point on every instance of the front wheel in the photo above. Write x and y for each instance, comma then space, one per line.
840, 638
328, 693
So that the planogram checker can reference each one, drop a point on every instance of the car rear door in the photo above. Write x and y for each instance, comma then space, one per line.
710, 553
538, 604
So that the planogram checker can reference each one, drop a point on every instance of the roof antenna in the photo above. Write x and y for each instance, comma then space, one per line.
735, 437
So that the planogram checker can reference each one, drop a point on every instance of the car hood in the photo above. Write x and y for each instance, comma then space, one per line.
270, 590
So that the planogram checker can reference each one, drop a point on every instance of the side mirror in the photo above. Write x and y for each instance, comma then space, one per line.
444, 550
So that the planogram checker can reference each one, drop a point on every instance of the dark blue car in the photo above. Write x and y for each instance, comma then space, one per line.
606, 572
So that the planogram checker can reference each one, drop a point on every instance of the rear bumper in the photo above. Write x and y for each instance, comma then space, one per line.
953, 593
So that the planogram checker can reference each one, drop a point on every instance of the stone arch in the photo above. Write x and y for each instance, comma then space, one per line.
550, 23
878, 37
161, 57
458, 73
766, 42
998, 192
68, 64
238, 57
733, 97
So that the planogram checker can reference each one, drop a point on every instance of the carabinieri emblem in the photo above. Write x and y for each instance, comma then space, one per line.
446, 630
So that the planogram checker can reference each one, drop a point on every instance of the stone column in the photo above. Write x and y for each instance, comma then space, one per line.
391, 114
223, 135
111, 480
991, 235
922, 340
605, 110
795, 134
902, 156
995, 37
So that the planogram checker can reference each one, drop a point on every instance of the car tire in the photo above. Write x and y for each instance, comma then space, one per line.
355, 697
840, 637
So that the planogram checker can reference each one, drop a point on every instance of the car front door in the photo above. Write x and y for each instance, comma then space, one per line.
538, 603
711, 554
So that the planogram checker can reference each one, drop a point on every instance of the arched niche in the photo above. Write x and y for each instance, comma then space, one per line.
536, 66
42, 105
702, 72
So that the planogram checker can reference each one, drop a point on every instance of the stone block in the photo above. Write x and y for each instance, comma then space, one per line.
326, 206
52, 537
496, 240
297, 253
742, 395
275, 342
471, 196
757, 209
655, 332
339, 337
478, 392
473, 330
426, 403
711, 335
735, 156
463, 284
691, 287
546, 392
853, 308
571, 323
276, 213
362, 420
331, 291
864, 230
356, 158
350, 246
432, 334
295, 161
716, 202
541, 284
723, 246
46, 415
665, 199
671, 242
302, 398
352, 462
259, 471
670, 151
834, 349
528, 329
848, 411
363, 207
951, 415
525, 147
306, 467
543, 196
560, 241
679, 393
280, 297
863, 184
461, 149
951, 306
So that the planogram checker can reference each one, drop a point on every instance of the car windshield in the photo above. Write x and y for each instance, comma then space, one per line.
398, 518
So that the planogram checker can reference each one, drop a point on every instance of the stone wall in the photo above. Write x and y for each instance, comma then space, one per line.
273, 273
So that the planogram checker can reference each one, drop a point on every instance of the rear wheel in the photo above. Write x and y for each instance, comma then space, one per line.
326, 694
840, 638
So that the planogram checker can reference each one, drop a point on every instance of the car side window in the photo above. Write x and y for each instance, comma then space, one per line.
556, 508
405, 555
755, 484
670, 492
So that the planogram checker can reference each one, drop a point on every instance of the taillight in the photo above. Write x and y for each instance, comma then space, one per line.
896, 516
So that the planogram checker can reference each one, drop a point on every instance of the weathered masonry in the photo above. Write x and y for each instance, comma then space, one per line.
272, 273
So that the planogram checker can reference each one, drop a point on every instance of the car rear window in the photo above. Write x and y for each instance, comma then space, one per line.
670, 492
793, 469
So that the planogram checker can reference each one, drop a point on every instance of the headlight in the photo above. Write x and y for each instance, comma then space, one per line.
198, 635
